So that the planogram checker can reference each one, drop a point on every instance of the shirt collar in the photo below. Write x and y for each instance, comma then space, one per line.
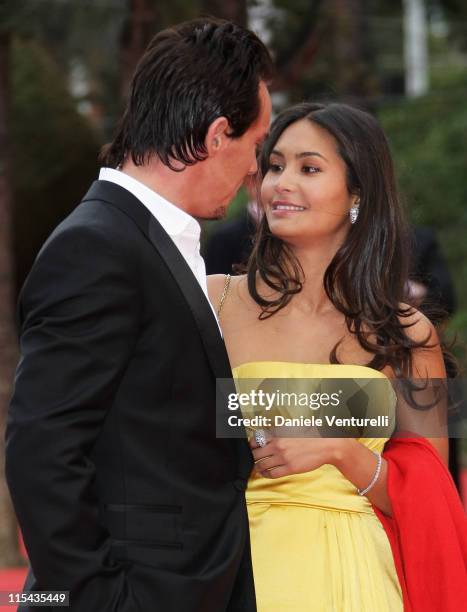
174, 220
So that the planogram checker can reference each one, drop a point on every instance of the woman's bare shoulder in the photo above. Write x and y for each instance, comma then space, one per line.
217, 284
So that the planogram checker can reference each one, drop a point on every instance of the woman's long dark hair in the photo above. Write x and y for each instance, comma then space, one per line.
367, 278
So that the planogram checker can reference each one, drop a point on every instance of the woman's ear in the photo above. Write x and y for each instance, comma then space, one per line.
355, 195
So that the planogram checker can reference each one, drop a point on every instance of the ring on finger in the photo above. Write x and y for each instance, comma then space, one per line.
262, 458
260, 438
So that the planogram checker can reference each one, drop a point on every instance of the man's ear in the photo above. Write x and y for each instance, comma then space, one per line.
217, 135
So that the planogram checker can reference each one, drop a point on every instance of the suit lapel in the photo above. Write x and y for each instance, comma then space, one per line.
195, 297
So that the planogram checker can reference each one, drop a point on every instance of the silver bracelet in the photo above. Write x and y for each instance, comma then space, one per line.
375, 477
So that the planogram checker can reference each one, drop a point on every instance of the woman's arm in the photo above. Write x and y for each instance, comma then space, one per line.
427, 364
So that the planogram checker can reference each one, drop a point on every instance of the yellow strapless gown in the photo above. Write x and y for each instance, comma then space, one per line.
318, 546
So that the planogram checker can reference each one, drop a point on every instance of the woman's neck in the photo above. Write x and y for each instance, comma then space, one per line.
314, 260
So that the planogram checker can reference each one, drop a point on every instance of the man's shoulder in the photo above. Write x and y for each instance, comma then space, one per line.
219, 285
97, 212
94, 222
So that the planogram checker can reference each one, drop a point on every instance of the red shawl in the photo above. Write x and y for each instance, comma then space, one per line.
428, 528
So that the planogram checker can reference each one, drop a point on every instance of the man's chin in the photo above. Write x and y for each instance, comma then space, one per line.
215, 215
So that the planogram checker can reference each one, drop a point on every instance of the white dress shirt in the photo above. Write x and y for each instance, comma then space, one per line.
183, 229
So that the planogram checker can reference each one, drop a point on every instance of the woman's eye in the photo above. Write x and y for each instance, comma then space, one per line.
310, 169
274, 167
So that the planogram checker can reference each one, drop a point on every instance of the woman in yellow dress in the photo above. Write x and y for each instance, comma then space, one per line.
324, 298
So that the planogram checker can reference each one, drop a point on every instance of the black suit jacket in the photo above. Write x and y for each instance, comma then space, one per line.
124, 494
429, 267
230, 243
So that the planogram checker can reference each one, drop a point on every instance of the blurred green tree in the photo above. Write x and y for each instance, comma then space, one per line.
54, 150
431, 159
324, 39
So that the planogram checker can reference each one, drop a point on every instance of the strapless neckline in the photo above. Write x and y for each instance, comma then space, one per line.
316, 365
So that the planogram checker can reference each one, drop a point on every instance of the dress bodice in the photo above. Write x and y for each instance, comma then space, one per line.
325, 487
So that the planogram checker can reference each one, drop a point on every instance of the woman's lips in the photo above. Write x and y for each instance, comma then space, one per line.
280, 209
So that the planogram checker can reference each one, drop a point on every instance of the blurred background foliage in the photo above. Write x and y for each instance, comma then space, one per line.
428, 141
53, 150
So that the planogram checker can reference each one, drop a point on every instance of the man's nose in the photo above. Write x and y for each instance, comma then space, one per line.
254, 166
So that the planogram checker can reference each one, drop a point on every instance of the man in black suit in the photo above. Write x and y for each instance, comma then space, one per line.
124, 495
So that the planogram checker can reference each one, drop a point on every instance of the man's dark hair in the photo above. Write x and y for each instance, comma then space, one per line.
190, 75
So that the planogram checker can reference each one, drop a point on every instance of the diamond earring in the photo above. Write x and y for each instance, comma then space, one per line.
353, 212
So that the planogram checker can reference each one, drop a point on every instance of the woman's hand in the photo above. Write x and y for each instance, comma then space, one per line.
285, 456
